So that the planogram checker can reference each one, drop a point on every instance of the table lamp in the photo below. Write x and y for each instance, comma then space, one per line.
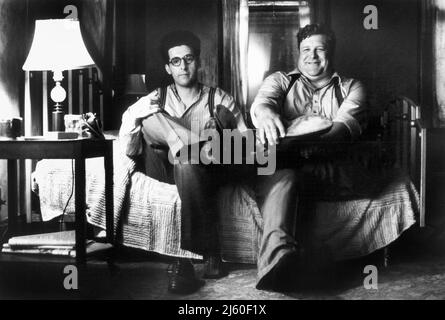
135, 85
57, 46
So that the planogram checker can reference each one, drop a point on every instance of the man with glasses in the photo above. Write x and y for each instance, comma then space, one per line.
168, 122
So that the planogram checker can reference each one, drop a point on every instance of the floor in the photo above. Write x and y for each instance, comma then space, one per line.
413, 273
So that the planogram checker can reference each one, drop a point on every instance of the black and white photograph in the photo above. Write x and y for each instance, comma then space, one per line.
222, 154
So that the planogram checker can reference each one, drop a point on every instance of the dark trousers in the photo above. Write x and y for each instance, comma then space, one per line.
197, 184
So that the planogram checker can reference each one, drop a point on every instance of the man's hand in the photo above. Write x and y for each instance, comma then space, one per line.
269, 125
145, 107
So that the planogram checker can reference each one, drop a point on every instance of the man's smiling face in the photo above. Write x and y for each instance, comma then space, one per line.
314, 61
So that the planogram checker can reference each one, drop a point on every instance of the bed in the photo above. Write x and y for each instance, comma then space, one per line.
147, 211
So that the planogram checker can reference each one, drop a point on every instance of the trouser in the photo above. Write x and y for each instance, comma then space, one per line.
277, 198
280, 193
197, 184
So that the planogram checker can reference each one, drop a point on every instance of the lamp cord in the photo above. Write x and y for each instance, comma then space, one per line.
72, 191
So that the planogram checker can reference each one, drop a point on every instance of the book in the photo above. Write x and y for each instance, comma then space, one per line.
91, 248
57, 252
61, 238
7, 246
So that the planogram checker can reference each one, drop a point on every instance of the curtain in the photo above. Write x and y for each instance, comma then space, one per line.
438, 116
96, 27
235, 41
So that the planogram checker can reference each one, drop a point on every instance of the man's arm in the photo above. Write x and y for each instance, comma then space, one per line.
351, 116
266, 107
130, 130
269, 124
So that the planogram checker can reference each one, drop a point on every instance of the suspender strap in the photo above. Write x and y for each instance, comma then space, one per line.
293, 78
337, 89
162, 97
212, 102
338, 94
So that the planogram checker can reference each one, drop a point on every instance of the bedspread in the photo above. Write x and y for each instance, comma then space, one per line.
147, 212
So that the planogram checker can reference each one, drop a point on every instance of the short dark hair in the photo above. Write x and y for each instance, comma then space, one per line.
313, 29
178, 38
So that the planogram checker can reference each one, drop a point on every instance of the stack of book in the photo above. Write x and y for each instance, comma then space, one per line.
55, 243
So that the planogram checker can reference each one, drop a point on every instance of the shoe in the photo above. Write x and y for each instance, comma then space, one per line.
284, 276
182, 279
214, 268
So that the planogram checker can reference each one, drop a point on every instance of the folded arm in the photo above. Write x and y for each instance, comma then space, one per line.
130, 130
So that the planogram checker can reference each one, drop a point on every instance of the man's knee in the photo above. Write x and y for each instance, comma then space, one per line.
154, 131
287, 177
185, 169
151, 124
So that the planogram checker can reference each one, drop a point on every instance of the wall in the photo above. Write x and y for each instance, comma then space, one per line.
12, 29
386, 59
139, 27
198, 16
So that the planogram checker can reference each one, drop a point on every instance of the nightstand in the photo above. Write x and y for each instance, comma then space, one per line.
76, 149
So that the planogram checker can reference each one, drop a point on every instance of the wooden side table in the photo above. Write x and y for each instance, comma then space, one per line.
77, 149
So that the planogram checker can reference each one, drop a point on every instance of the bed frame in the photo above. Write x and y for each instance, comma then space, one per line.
406, 137
397, 141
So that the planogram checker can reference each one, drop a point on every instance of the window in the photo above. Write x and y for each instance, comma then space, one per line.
272, 43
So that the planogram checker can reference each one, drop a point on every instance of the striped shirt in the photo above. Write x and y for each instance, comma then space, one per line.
197, 113
305, 99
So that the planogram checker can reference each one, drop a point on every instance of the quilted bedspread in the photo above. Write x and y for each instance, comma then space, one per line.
147, 212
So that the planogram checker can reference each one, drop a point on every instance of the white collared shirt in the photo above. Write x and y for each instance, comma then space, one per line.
305, 99
197, 112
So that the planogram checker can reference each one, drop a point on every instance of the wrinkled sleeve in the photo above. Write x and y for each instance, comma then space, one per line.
271, 94
352, 111
130, 133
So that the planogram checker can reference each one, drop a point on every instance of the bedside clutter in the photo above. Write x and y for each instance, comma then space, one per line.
57, 135
10, 128
54, 243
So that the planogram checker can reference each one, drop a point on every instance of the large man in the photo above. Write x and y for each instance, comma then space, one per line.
313, 88
166, 124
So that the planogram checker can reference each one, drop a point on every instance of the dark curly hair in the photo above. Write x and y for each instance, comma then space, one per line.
179, 38
313, 29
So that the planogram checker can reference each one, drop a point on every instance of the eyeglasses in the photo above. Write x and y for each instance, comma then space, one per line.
188, 58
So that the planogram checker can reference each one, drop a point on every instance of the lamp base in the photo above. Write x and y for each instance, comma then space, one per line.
58, 122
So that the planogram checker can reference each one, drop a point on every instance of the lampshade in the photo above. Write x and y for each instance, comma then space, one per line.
57, 45
135, 84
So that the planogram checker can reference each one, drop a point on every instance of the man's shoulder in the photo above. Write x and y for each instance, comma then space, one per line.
281, 75
350, 82
219, 92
